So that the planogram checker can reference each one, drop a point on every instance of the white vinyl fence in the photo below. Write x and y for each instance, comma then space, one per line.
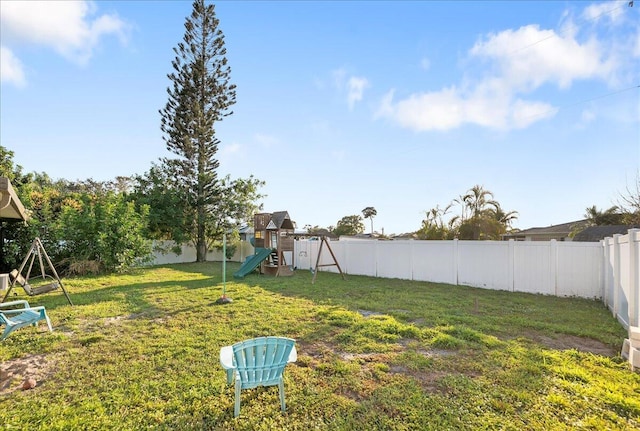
621, 276
608, 270
547, 267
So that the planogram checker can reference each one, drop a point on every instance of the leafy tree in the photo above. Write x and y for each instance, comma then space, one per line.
370, 213
201, 96
169, 215
171, 218
349, 225
104, 233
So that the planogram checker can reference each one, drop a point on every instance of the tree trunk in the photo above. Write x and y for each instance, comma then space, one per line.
201, 250
201, 246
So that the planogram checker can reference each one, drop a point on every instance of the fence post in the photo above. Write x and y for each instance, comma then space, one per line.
553, 265
606, 271
511, 269
634, 276
412, 258
456, 260
616, 275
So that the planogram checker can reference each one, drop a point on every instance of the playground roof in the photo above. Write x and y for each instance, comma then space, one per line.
281, 220
10, 206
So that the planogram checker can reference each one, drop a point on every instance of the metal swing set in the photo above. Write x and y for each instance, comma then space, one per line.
44, 282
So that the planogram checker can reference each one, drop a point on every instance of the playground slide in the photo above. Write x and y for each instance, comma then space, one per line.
252, 262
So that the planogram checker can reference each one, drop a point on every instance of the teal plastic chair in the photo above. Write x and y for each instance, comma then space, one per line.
16, 318
258, 362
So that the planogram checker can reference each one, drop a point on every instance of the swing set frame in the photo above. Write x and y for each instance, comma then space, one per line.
53, 281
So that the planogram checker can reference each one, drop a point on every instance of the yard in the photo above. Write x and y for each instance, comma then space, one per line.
140, 351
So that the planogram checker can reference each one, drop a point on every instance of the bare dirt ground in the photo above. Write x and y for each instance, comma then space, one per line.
13, 373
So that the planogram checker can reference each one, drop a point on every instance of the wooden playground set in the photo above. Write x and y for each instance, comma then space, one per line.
274, 243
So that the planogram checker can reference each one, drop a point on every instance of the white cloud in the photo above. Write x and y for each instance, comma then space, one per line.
505, 68
525, 61
68, 27
339, 78
11, 70
356, 87
611, 10
266, 141
450, 108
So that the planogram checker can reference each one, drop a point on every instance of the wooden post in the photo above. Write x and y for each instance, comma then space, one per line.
323, 240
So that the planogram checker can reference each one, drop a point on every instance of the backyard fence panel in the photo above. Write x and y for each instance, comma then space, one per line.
395, 261
361, 257
532, 267
188, 253
579, 269
484, 264
302, 256
435, 261
340, 253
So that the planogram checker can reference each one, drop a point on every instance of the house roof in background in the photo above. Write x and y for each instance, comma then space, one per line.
557, 230
597, 233
554, 229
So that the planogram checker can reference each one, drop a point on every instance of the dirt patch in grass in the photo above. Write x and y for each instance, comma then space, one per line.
14, 372
568, 342
428, 381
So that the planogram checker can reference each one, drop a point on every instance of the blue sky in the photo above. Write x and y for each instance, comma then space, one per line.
342, 105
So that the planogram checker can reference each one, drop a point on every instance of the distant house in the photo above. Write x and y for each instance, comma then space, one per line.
559, 232
597, 233
315, 234
246, 232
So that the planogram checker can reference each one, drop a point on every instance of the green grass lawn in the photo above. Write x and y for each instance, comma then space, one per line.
140, 351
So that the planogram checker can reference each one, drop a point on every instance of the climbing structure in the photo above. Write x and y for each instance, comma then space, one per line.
274, 231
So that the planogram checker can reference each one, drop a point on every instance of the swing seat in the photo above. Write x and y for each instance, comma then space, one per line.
32, 291
44, 288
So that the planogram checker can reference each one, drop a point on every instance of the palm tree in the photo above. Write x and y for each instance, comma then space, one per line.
505, 218
477, 199
370, 213
598, 217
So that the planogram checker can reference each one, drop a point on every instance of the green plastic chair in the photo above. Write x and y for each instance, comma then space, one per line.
16, 318
258, 362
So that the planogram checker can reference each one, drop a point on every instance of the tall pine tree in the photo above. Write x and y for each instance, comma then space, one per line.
201, 95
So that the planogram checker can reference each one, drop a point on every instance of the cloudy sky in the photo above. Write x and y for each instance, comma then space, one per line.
343, 105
